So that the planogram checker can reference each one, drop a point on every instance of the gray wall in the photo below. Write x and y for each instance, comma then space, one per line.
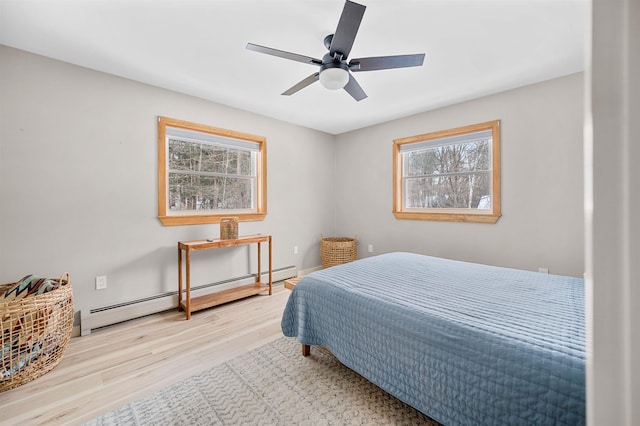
78, 183
541, 175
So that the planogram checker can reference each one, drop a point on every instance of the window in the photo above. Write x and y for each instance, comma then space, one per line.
205, 173
451, 175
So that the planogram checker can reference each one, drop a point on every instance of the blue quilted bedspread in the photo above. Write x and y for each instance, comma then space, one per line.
464, 343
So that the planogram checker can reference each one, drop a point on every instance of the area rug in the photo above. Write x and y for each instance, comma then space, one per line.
271, 385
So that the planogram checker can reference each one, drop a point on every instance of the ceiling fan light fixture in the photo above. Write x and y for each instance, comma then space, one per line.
334, 78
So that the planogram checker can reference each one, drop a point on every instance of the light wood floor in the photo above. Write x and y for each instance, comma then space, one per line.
122, 363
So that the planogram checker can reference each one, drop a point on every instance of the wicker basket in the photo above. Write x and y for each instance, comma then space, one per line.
336, 251
35, 333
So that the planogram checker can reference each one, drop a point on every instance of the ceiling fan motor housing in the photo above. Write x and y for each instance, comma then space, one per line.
333, 62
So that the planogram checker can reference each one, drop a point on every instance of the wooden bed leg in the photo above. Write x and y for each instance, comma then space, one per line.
306, 350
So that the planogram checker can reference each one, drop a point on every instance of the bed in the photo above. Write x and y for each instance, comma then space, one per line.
466, 344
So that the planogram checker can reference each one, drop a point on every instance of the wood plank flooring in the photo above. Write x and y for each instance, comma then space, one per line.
122, 363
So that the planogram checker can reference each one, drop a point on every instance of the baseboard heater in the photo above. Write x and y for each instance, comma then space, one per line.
110, 315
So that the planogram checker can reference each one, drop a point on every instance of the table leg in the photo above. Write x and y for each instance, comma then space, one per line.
270, 269
179, 276
188, 284
259, 278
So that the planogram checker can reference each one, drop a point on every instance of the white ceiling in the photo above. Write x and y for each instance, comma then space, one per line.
473, 48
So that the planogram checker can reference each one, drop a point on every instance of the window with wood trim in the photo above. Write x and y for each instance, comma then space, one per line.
450, 175
206, 173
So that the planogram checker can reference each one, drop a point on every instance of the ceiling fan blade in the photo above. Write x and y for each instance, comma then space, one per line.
386, 62
302, 84
354, 89
347, 28
283, 54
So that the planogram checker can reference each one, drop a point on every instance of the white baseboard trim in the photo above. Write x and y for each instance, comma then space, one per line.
109, 315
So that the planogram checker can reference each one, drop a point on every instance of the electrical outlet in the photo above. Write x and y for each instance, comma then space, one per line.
295, 249
543, 270
101, 282
370, 248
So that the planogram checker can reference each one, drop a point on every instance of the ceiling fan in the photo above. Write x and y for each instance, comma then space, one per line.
335, 72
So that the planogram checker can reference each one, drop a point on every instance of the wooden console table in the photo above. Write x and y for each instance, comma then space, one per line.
197, 303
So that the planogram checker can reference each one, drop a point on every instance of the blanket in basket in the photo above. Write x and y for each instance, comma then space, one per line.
36, 318
28, 286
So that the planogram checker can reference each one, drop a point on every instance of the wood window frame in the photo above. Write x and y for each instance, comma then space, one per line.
449, 215
194, 219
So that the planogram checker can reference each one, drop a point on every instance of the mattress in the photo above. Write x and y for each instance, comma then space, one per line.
466, 344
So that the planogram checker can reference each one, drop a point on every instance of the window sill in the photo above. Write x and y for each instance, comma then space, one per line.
204, 219
448, 217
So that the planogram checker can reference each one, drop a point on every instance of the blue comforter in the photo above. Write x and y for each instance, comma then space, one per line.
464, 343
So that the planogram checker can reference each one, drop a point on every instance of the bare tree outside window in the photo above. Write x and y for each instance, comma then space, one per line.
449, 175
209, 177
